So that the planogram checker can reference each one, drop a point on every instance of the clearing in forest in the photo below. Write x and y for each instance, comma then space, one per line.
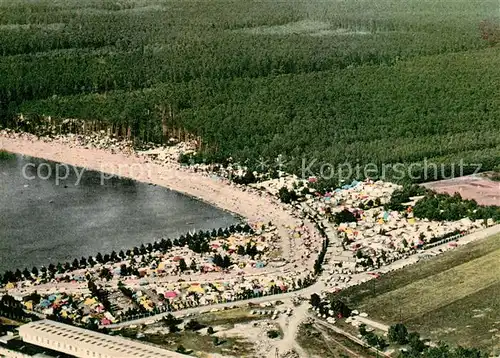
313, 28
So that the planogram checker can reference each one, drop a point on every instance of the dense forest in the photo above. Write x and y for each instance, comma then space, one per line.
317, 82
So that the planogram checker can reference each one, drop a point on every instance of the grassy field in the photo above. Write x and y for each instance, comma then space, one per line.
322, 342
228, 317
201, 345
453, 297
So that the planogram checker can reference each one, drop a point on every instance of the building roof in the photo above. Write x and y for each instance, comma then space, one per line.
86, 340
29, 350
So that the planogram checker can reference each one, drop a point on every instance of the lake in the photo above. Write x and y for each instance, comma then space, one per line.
44, 220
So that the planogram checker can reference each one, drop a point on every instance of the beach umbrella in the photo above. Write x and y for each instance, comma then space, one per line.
89, 301
170, 294
196, 289
105, 322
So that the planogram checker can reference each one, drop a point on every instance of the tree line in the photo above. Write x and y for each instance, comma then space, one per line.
342, 118
198, 242
441, 207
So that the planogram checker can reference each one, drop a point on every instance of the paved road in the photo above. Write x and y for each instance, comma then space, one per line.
315, 288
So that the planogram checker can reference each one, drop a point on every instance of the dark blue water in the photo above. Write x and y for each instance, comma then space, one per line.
44, 222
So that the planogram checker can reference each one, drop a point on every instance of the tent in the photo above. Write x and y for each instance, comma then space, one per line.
90, 301
105, 322
170, 294
44, 303
196, 288
29, 305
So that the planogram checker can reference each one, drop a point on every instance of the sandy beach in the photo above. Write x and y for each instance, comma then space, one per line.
216, 191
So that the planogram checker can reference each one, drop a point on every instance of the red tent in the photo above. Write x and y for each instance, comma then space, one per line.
170, 294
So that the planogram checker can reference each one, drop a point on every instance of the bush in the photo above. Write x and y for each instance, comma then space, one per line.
287, 196
382, 344
415, 342
344, 216
362, 329
371, 338
273, 334
315, 300
4, 155
248, 178
194, 326
398, 334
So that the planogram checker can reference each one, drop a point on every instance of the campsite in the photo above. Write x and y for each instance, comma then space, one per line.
334, 165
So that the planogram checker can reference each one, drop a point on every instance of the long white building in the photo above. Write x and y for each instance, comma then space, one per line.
84, 343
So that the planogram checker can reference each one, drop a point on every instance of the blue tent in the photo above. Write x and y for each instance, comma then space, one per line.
44, 303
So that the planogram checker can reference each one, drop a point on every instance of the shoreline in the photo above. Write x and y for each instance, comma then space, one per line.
139, 180
50, 155
244, 203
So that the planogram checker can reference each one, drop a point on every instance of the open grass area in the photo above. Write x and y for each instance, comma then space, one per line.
228, 317
321, 342
200, 344
472, 321
453, 297
9, 322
